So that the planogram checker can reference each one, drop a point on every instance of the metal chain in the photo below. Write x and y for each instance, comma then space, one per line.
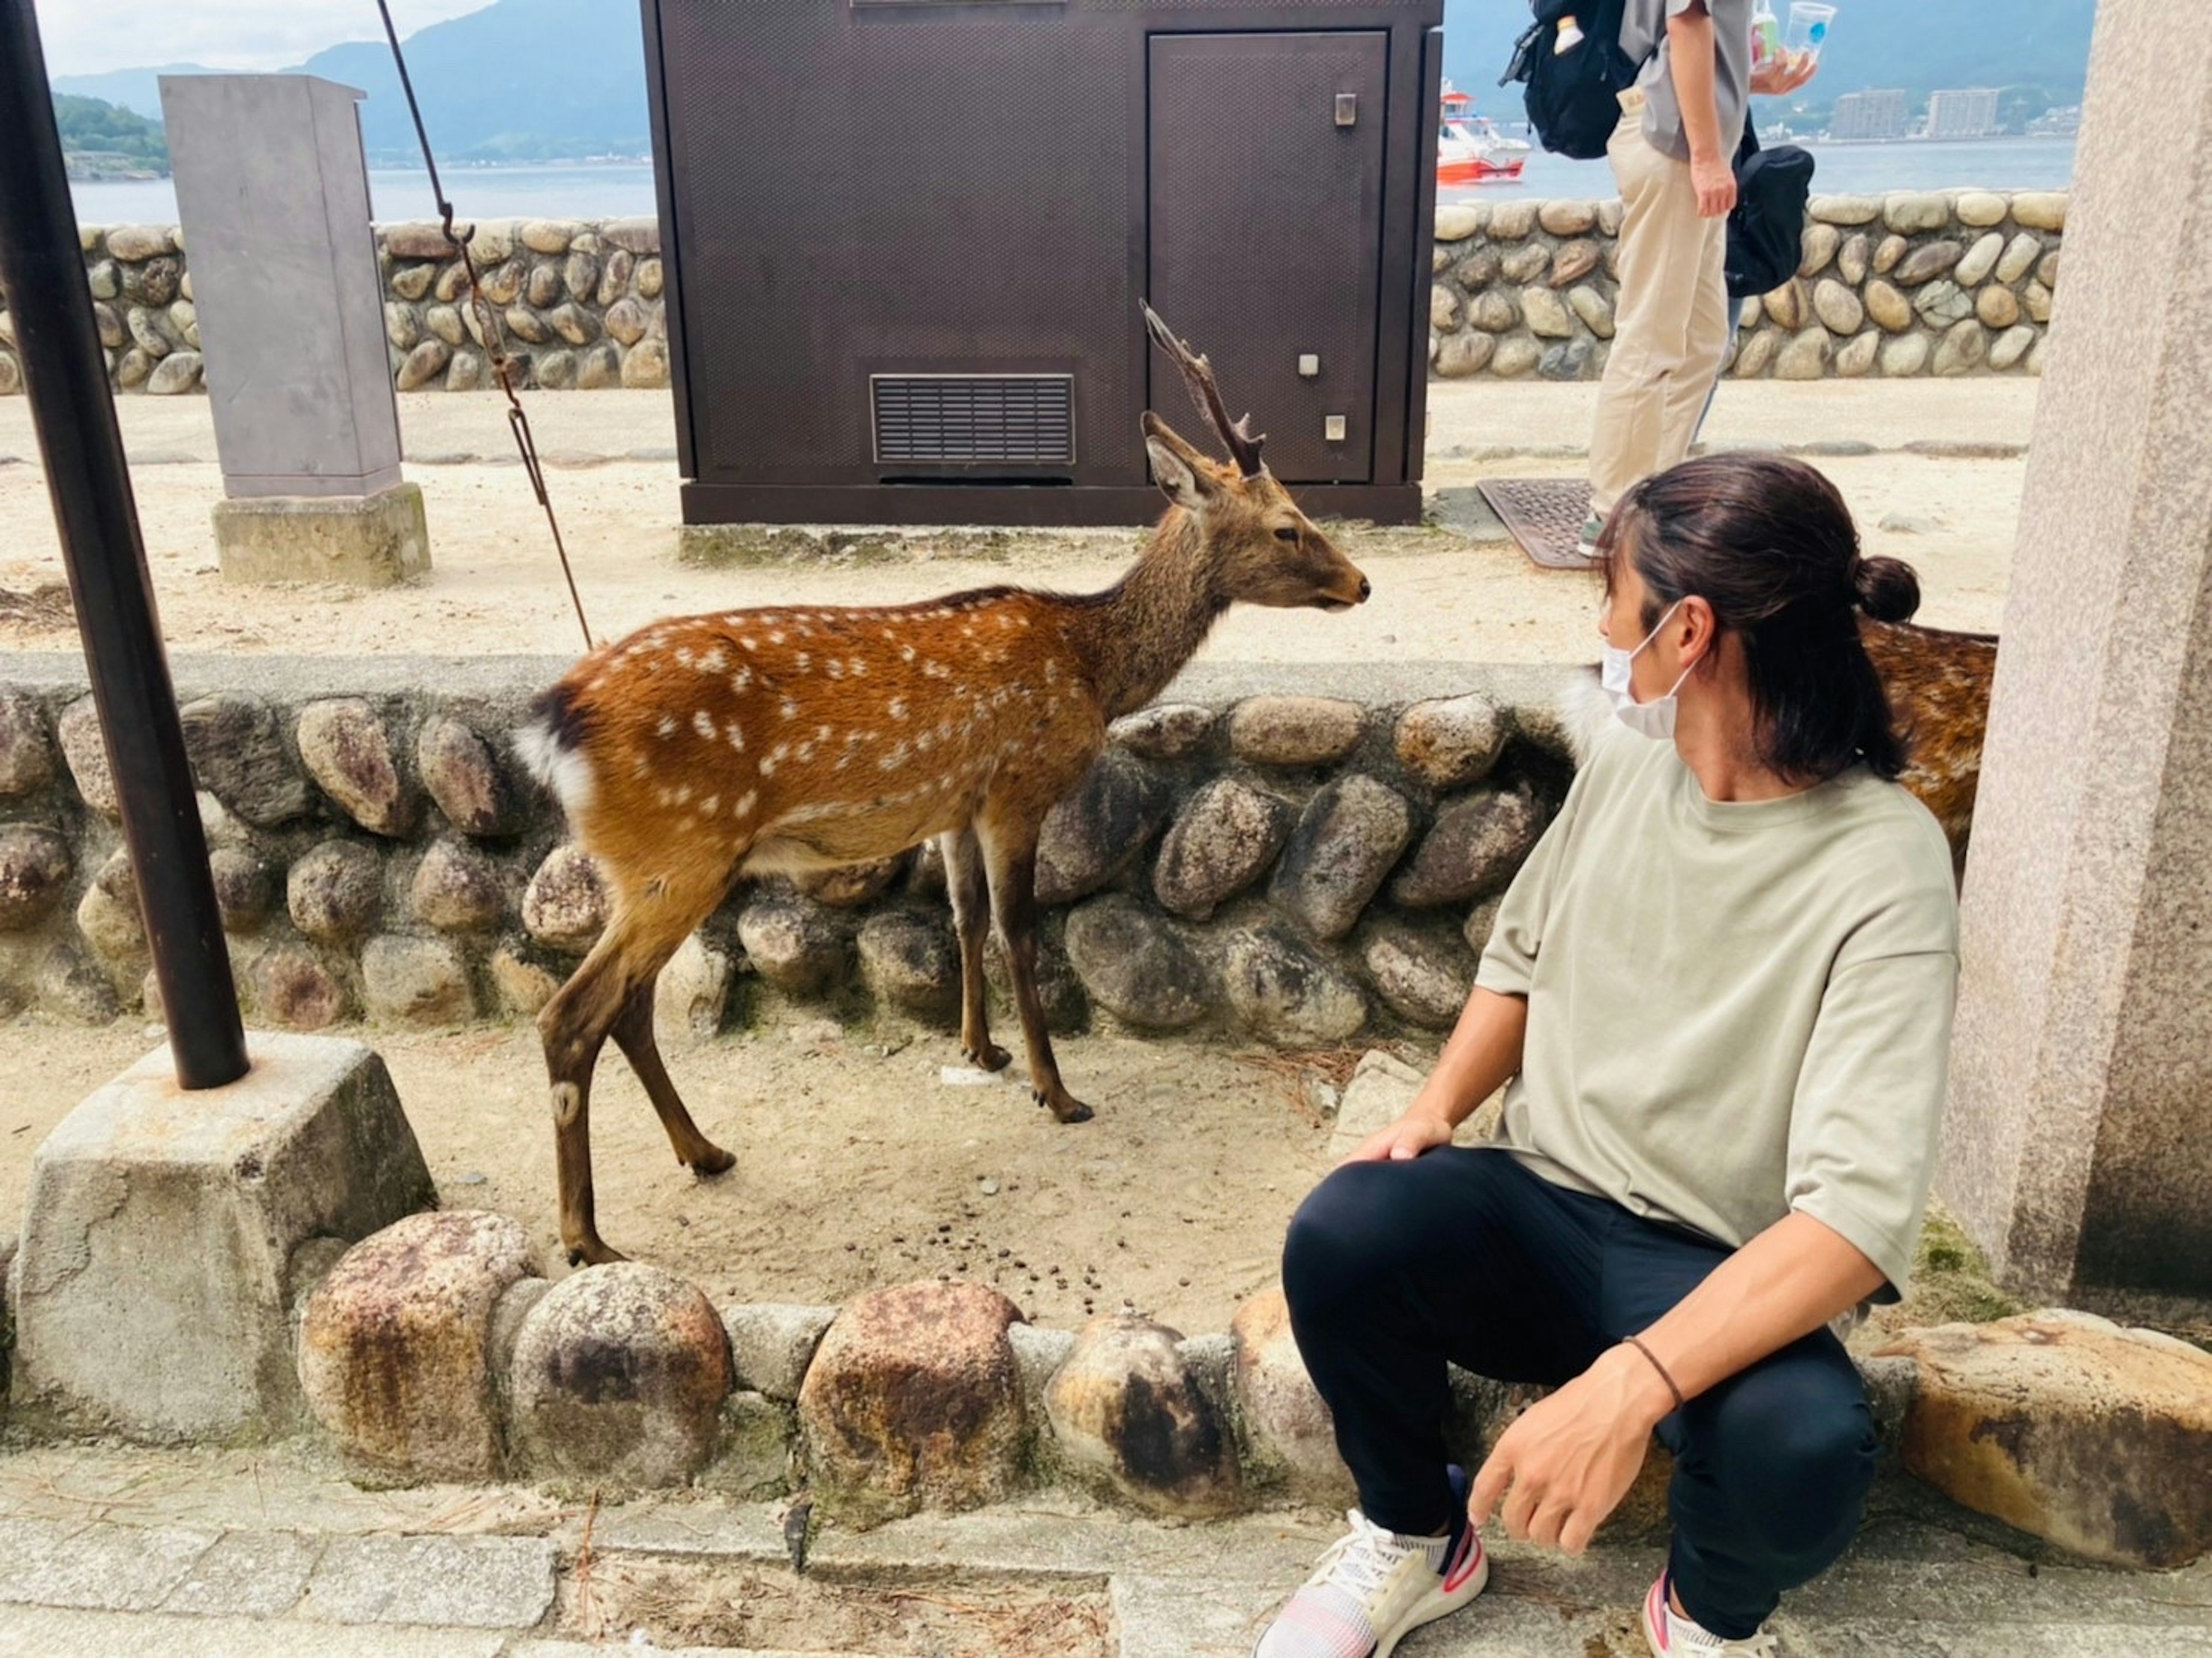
488, 328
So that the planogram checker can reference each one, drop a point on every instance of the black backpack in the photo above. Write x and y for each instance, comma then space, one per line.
1572, 106
1766, 229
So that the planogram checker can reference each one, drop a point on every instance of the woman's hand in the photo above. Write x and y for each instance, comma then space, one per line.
1420, 1130
1777, 77
1568, 1460
1713, 180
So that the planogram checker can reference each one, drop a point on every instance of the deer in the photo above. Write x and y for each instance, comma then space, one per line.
703, 749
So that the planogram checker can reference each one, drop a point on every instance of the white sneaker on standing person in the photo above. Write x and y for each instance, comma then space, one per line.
1680, 127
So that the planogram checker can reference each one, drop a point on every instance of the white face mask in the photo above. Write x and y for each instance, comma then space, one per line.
1654, 719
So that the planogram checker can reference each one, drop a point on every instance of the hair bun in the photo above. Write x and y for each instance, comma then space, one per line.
1885, 588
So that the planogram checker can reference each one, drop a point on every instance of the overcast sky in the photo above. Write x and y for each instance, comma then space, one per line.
84, 37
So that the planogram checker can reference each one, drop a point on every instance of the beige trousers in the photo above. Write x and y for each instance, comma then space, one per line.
1670, 323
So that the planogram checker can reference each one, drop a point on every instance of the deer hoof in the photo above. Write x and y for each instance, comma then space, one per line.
1063, 1110
593, 1252
714, 1161
989, 1056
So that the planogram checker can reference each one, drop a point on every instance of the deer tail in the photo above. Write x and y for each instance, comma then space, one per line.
1585, 713
550, 744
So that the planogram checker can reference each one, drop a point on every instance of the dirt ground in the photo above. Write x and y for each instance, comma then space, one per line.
856, 1167
1452, 590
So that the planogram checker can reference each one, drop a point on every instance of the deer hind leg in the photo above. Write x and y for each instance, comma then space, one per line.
1012, 859
575, 1025
964, 877
633, 1034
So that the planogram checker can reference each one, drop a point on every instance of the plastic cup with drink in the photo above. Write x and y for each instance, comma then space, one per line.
1797, 50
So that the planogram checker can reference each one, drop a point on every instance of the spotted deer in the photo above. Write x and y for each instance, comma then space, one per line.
708, 748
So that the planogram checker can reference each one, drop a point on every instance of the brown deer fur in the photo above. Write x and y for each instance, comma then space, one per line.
707, 748
1939, 692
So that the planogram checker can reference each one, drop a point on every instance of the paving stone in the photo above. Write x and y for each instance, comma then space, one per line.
44, 1632
771, 1343
248, 1574
109, 1568
471, 1582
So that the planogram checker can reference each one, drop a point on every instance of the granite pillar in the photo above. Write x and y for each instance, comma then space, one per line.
2078, 1144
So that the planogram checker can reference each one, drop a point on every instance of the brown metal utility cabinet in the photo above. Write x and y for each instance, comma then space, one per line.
905, 241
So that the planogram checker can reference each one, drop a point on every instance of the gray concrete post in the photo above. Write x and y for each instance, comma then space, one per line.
273, 192
2078, 1144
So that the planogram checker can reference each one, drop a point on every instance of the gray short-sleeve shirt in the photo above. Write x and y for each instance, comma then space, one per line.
1644, 38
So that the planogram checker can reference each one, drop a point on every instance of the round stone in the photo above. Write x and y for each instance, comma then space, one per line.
27, 753
1548, 318
1573, 262
1853, 258
1805, 357
1282, 991
1913, 213
108, 914
1845, 209
1101, 828
1855, 360
618, 1376
423, 364
1595, 310
503, 283
1978, 261
238, 754
245, 891
1754, 355
445, 322
911, 962
527, 325
794, 944
295, 990
349, 753
2039, 211
2046, 272
1839, 310
628, 320
1978, 209
1943, 303
599, 369
524, 986
2035, 300
1472, 848
1905, 356
556, 370
1290, 1427
566, 905
465, 372
1998, 307
1425, 980
914, 1400
1465, 355
1226, 838
1443, 309
1927, 263
36, 867
1789, 306
1526, 263
1451, 741
1511, 221
1817, 248
457, 890
401, 325
74, 987
1964, 349
1885, 256
2010, 347
1138, 967
645, 367
648, 279
1457, 221
336, 892
1345, 842
132, 243
573, 324
1166, 730
1493, 313
1889, 308
1127, 1413
175, 375
1518, 353
395, 1343
547, 235
2019, 258
421, 982
851, 886
543, 289
1567, 218
1477, 270
465, 779
1294, 730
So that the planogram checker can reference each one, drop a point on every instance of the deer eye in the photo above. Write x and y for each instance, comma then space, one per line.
1288, 532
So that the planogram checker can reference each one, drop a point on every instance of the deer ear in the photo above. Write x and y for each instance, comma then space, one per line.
1181, 476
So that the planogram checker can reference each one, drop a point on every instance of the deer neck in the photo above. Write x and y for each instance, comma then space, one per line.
1138, 636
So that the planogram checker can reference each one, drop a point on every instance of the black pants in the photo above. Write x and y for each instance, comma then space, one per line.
1393, 1268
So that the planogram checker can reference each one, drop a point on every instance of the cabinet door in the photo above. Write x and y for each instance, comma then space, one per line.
1265, 213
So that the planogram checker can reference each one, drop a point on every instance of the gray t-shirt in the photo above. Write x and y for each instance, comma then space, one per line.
1735, 1010
1644, 38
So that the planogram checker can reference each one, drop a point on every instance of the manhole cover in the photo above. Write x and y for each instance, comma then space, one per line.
1544, 515
748, 1605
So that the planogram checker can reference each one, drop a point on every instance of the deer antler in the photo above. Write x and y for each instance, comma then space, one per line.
1237, 436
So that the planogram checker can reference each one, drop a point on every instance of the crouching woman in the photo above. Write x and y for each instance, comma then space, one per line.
1718, 996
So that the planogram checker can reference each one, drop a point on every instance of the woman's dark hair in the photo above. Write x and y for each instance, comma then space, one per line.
1768, 543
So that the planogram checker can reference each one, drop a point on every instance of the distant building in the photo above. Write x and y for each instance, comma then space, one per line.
1969, 113
1869, 115
2064, 122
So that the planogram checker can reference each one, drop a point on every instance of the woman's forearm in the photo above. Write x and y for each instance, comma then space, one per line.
1482, 1056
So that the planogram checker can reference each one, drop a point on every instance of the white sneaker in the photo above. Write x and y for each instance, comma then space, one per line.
1371, 1590
1670, 1635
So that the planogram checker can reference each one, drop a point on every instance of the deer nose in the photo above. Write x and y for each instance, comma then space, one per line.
1366, 588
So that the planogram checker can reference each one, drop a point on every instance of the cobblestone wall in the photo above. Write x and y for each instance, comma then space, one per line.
1947, 282
1296, 869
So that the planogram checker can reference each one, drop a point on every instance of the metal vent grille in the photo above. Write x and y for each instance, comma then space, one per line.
958, 420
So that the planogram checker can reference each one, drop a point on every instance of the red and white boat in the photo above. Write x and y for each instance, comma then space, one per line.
1470, 149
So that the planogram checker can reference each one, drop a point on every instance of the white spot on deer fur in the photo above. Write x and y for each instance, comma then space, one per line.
683, 656
893, 760
704, 723
739, 680
776, 636
858, 668
666, 727
788, 709
804, 661
806, 750
1051, 671
735, 733
899, 707
833, 668
708, 806
768, 765
906, 653
683, 794
715, 661
921, 742
748, 643
665, 796
745, 803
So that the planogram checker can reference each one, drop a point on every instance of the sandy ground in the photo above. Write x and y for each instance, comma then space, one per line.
855, 1169
1453, 591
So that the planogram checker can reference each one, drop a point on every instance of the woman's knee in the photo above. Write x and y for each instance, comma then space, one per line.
1795, 1448
1348, 1235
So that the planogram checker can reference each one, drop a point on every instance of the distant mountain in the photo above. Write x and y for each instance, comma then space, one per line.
547, 80
1918, 44
102, 140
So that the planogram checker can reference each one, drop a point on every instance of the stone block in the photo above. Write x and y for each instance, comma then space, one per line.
238, 755
771, 1344
1348, 838
363, 541
36, 869
619, 1376
1294, 730
151, 1294
914, 1400
467, 779
350, 752
27, 754
1226, 837
1422, 978
693, 990
1451, 741
1168, 731
1127, 1413
1281, 990
1138, 966
336, 893
421, 982
792, 944
565, 906
1102, 827
395, 1344
452, 1582
2070, 1428
78, 732
912, 962
1381, 1087
1288, 1431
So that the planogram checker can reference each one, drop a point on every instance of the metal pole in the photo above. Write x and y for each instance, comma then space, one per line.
42, 273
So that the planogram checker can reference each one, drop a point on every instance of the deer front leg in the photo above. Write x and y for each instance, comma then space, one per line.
1013, 866
574, 1025
633, 1034
965, 877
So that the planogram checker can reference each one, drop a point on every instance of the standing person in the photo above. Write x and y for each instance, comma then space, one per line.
1719, 995
1672, 160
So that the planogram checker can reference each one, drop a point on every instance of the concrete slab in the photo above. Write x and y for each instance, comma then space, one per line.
468, 1583
151, 1295
104, 1568
43, 1632
363, 541
248, 1574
